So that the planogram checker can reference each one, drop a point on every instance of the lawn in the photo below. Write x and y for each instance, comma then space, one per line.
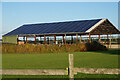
34, 61
106, 59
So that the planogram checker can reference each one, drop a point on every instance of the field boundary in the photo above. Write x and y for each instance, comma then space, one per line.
34, 72
59, 71
97, 70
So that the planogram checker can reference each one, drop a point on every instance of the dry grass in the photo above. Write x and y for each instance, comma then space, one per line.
31, 48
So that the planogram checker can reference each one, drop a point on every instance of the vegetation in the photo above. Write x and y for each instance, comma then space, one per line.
39, 48
95, 46
31, 48
35, 76
82, 75
99, 59
95, 60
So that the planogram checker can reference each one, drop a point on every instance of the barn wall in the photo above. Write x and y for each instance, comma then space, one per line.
105, 28
10, 39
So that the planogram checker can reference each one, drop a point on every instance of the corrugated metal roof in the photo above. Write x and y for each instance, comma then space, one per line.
58, 27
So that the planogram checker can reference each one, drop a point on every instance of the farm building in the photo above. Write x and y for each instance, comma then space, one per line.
43, 31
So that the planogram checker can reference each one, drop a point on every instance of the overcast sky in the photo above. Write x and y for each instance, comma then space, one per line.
15, 14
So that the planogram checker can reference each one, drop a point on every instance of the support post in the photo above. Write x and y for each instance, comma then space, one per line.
99, 38
76, 38
71, 71
110, 40
26, 39
80, 38
40, 38
65, 39
44, 39
89, 38
62, 39
49, 39
107, 41
55, 39
35, 39
18, 39
72, 39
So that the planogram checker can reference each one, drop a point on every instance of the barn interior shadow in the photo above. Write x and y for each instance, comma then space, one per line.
99, 48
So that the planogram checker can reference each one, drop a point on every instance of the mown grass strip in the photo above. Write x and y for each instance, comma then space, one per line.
59, 60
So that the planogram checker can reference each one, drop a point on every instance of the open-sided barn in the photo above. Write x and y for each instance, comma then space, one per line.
68, 28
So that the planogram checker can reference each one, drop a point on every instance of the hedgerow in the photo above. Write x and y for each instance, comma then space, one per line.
38, 48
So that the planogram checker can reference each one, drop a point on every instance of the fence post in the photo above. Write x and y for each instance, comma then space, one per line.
71, 72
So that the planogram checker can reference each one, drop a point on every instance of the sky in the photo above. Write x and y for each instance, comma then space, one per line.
15, 14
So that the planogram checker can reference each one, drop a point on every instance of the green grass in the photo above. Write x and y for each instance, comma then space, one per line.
79, 75
95, 60
106, 59
82, 75
34, 61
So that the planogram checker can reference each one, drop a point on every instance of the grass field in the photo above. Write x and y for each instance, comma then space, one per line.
106, 59
103, 59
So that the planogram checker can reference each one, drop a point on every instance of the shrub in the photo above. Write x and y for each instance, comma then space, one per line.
95, 46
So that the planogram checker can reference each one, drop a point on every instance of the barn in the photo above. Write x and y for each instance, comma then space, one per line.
61, 29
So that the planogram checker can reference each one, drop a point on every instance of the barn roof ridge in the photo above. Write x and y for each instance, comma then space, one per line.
63, 21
